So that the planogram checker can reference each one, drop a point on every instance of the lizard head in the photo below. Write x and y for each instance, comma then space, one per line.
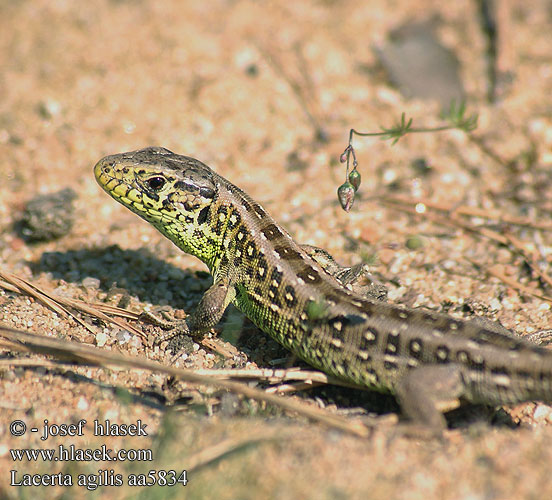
172, 192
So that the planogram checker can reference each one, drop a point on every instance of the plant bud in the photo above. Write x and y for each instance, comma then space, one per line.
346, 195
354, 179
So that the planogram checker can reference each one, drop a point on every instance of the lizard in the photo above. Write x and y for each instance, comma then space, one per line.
429, 361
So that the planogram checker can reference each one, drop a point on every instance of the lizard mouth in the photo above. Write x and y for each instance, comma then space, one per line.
122, 187
111, 179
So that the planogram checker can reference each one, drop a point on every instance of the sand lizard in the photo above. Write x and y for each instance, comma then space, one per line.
425, 359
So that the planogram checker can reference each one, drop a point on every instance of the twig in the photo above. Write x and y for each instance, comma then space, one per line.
293, 387
6, 364
275, 375
455, 116
530, 258
496, 271
89, 355
60, 304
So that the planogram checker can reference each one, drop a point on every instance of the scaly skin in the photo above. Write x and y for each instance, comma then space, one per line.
426, 359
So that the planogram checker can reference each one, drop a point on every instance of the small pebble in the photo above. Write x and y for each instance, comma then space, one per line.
543, 412
495, 304
123, 337
101, 339
90, 282
48, 217
82, 404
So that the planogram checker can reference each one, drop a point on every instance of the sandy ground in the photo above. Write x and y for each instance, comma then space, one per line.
242, 86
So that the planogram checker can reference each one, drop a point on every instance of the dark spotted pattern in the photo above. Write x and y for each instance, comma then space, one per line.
332, 298
289, 295
430, 318
203, 215
287, 253
500, 370
220, 220
416, 348
167, 205
245, 204
258, 210
465, 358
262, 269
190, 207
392, 346
251, 250
390, 365
369, 339
272, 232
338, 327
234, 220
274, 286
153, 195
442, 353
224, 261
345, 365
253, 298
241, 237
309, 275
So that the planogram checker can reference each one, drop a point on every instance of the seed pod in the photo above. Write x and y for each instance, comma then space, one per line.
346, 196
343, 157
354, 178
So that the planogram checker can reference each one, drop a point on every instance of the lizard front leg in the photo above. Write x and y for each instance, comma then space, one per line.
211, 307
207, 314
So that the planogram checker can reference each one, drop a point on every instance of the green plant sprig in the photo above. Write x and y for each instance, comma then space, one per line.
455, 116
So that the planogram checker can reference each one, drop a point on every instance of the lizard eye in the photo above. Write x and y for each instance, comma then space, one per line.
156, 183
